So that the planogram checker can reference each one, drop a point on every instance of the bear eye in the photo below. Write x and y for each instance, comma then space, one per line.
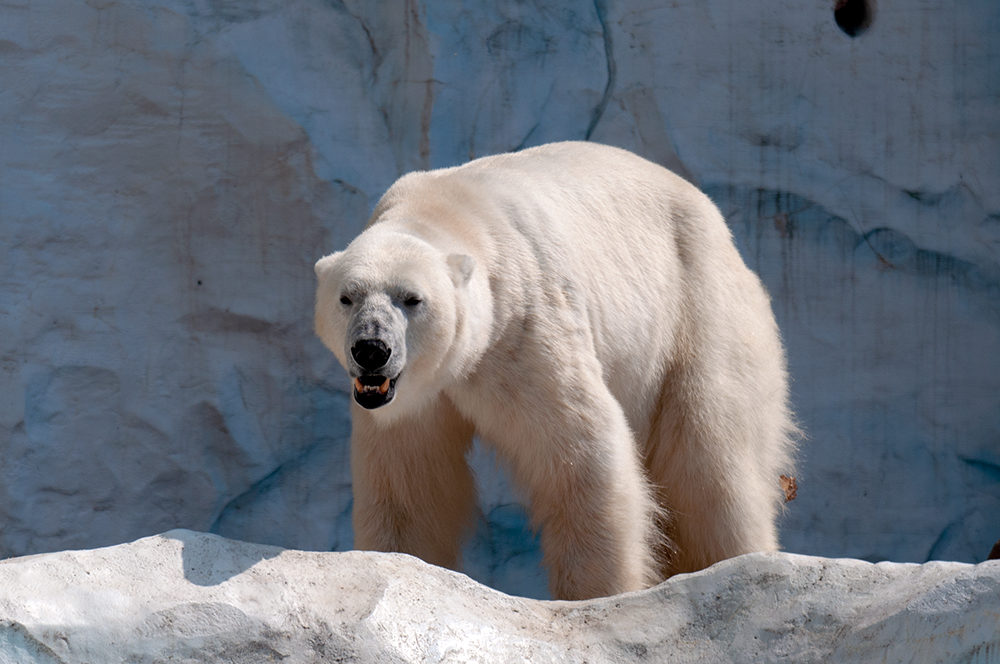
412, 301
346, 301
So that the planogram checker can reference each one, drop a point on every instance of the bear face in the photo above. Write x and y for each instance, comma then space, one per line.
390, 307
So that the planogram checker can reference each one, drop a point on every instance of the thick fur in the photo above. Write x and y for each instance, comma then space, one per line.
586, 313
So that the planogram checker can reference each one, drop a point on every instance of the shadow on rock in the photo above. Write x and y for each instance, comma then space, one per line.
210, 560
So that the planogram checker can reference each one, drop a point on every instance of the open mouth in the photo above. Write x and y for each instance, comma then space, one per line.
372, 392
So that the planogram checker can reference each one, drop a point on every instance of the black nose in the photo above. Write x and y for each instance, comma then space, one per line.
371, 354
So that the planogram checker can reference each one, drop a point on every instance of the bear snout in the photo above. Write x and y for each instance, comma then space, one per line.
370, 354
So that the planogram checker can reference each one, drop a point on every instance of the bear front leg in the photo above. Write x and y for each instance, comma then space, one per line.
588, 495
413, 490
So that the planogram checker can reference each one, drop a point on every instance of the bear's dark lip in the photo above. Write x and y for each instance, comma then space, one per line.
370, 397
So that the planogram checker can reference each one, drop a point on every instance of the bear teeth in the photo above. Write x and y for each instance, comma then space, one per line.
382, 389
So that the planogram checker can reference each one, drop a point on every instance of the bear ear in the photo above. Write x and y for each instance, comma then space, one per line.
462, 267
324, 264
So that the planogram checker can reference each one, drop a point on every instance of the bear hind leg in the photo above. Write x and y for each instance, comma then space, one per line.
714, 462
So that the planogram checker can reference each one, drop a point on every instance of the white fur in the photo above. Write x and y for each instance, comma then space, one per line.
586, 313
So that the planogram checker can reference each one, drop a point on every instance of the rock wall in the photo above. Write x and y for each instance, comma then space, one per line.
169, 171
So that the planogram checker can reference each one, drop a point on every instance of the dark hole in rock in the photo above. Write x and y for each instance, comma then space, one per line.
854, 16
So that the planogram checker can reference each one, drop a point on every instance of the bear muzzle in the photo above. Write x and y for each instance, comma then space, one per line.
370, 354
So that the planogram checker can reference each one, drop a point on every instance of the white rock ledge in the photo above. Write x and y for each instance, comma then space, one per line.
191, 597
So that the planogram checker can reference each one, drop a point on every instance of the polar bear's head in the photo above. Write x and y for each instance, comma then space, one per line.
402, 317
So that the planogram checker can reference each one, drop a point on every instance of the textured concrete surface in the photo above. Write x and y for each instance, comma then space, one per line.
189, 597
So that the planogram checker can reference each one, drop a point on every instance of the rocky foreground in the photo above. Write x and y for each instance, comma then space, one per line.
192, 597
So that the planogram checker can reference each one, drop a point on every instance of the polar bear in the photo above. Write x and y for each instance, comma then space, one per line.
586, 313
